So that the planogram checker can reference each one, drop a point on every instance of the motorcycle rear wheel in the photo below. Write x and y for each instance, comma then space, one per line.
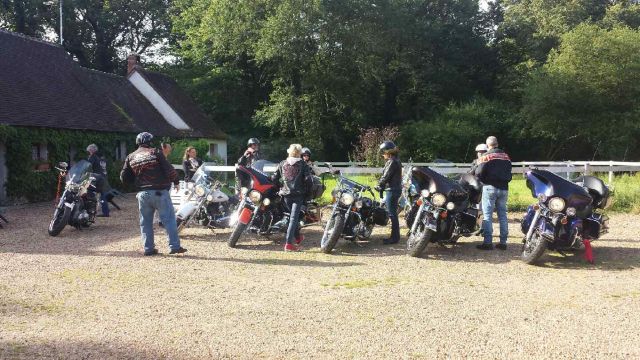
60, 220
418, 241
332, 233
533, 249
235, 235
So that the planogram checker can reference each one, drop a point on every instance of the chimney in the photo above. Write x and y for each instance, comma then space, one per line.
133, 60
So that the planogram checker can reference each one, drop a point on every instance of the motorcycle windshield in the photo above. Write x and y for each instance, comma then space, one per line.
427, 178
202, 174
550, 184
79, 172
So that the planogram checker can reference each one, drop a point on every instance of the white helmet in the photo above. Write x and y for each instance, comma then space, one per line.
482, 147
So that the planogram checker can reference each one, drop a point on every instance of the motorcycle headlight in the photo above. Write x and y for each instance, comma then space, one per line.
556, 204
255, 196
209, 198
244, 190
359, 204
571, 211
200, 190
450, 206
346, 199
424, 193
266, 202
438, 199
542, 197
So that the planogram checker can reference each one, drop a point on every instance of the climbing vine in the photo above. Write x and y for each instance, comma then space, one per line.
24, 182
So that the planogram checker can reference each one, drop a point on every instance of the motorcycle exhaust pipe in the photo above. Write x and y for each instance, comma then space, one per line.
536, 217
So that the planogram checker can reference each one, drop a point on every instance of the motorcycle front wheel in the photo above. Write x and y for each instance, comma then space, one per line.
418, 240
181, 223
332, 233
60, 219
235, 235
533, 249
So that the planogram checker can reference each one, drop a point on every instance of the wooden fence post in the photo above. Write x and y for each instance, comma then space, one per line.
610, 172
586, 168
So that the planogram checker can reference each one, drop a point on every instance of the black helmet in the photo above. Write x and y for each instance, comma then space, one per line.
387, 145
305, 151
253, 141
144, 138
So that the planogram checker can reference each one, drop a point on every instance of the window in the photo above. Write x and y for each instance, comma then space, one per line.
39, 152
121, 150
213, 149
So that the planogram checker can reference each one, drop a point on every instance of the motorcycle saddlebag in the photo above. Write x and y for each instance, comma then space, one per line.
380, 216
317, 188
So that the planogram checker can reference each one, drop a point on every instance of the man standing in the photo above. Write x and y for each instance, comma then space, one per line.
250, 156
99, 166
494, 170
148, 168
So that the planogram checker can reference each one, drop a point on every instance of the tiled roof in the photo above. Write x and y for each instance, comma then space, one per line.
42, 86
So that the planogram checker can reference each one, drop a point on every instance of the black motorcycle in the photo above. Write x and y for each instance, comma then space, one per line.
567, 216
353, 215
443, 211
261, 210
78, 202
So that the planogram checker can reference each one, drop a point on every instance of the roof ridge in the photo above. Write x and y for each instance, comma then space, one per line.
28, 37
102, 72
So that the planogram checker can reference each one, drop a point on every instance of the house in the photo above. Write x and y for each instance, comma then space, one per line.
42, 88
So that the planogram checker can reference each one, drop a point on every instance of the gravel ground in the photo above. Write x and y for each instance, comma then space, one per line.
89, 295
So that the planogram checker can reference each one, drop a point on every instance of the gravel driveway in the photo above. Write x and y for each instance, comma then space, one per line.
89, 295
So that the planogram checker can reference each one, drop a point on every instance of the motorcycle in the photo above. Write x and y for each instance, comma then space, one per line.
443, 211
77, 205
206, 204
353, 214
261, 210
568, 214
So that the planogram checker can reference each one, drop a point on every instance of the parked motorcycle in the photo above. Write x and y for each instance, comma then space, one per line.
443, 211
261, 210
567, 215
206, 204
353, 215
77, 205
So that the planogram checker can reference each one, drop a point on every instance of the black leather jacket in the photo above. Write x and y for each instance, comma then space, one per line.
248, 158
294, 177
148, 169
391, 175
494, 168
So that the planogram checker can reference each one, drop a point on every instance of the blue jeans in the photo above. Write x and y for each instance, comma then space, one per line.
391, 198
150, 201
293, 204
494, 198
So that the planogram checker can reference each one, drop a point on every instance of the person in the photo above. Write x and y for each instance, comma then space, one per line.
252, 154
190, 163
152, 174
480, 150
99, 166
306, 157
294, 178
391, 183
248, 158
494, 170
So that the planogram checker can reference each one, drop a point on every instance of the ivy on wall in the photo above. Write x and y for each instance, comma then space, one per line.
24, 183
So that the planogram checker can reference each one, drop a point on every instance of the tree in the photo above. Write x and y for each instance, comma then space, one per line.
584, 100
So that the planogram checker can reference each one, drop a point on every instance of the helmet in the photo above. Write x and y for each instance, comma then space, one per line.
253, 141
387, 145
144, 138
482, 147
306, 151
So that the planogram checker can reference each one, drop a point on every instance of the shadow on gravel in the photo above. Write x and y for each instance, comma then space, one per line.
606, 258
76, 350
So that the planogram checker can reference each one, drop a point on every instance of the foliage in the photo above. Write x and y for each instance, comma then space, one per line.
585, 98
99, 34
367, 147
454, 133
201, 145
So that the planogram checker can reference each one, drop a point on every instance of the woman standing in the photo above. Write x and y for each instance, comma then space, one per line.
294, 178
190, 163
391, 183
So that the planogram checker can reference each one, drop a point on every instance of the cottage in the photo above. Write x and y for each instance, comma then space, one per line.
42, 88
